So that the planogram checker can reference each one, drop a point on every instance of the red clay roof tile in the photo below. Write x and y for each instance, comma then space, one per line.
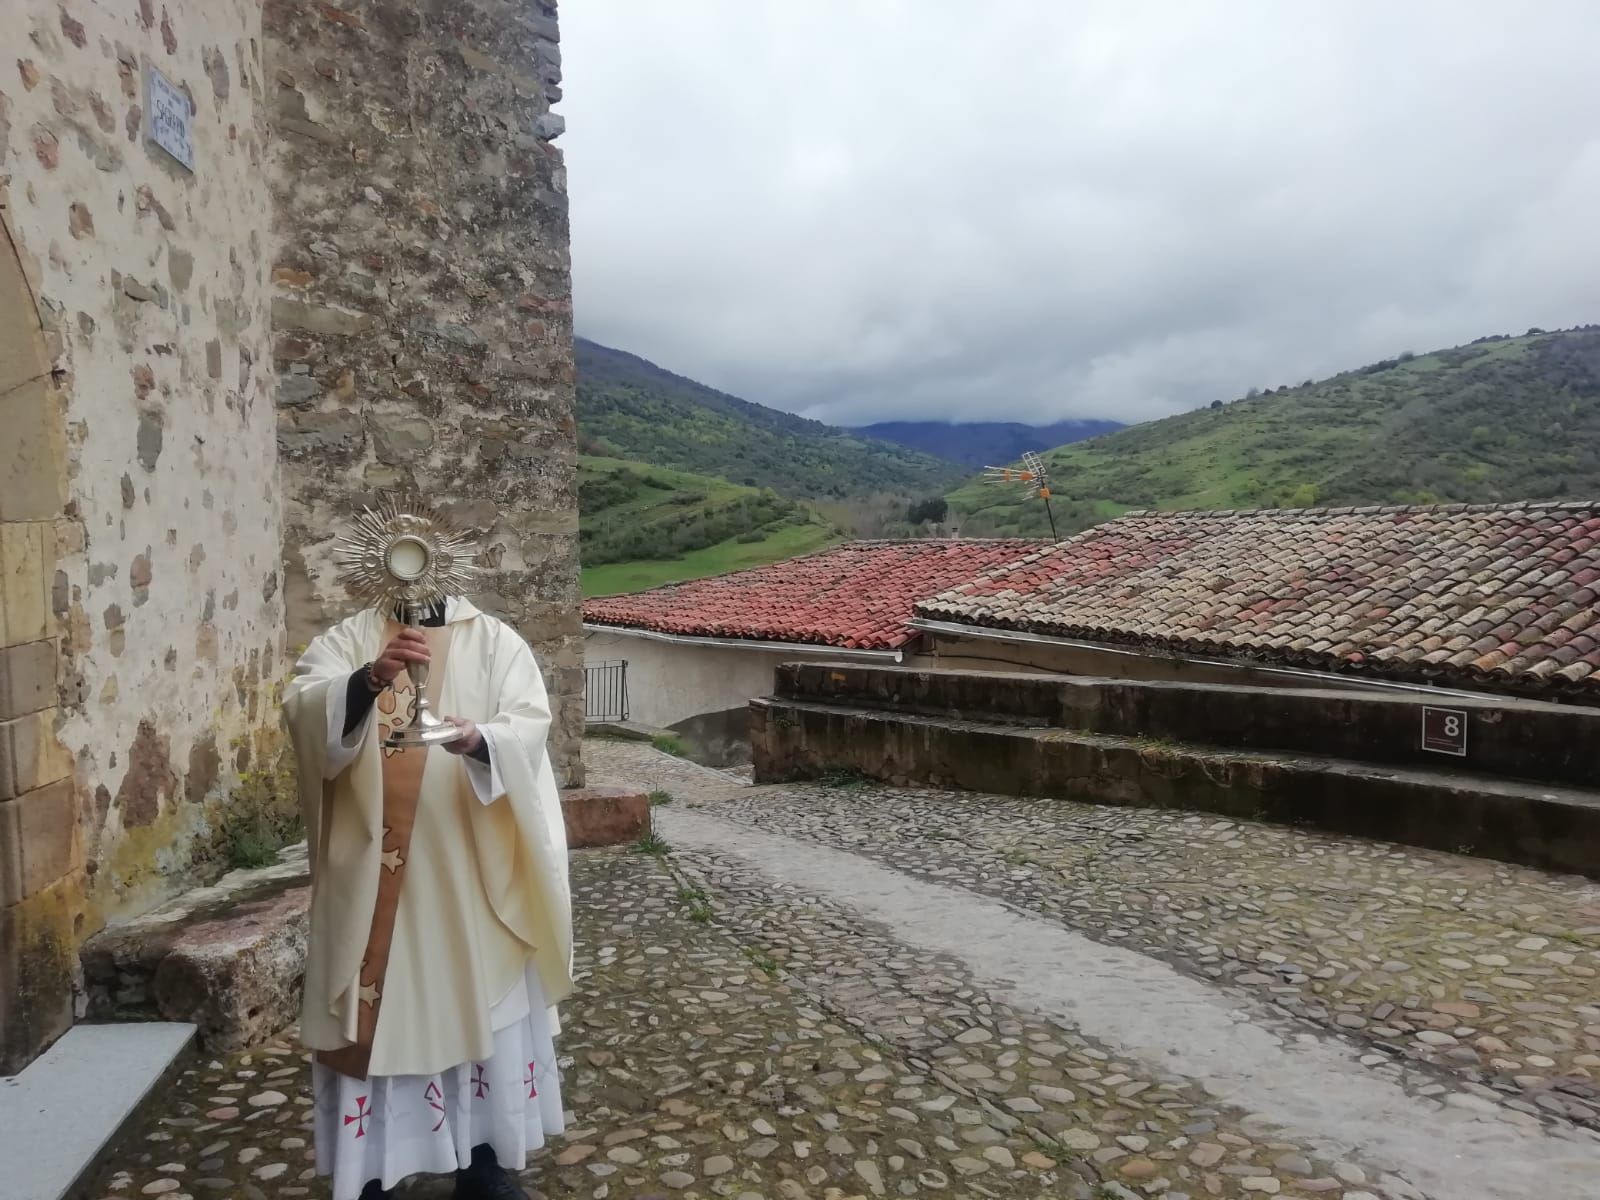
856, 596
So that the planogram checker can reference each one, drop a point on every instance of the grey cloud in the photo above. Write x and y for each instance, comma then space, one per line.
1034, 210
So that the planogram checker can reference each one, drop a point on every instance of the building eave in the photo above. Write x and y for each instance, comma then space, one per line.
818, 649
1377, 683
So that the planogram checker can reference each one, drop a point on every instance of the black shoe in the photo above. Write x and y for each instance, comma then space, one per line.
486, 1179
376, 1191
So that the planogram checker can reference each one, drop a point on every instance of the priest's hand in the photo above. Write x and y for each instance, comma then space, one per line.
470, 740
406, 647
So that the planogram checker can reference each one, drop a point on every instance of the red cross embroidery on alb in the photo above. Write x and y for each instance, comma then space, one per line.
533, 1089
360, 1118
479, 1083
435, 1099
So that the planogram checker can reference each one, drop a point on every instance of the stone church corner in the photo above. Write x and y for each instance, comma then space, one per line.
345, 272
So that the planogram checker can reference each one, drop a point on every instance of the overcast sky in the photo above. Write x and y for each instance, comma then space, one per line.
1037, 209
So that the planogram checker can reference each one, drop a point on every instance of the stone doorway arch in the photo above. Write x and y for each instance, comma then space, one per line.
40, 856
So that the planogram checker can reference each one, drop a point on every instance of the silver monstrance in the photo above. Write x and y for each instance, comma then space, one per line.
403, 557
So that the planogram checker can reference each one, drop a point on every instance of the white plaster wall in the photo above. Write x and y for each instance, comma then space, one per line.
167, 589
670, 682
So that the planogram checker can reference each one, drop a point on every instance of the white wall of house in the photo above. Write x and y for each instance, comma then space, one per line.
669, 682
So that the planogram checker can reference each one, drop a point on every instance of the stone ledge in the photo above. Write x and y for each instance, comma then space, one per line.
230, 958
227, 958
604, 816
101, 1075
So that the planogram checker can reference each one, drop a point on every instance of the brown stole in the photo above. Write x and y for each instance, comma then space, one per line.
402, 787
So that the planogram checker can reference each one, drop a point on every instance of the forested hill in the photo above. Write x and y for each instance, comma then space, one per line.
630, 408
979, 444
1504, 418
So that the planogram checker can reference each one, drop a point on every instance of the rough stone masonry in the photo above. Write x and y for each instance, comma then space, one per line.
140, 541
422, 314
362, 283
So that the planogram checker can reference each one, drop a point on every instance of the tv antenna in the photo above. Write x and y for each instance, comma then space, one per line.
1035, 479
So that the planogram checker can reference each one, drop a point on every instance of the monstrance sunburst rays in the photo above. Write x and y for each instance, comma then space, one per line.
403, 553
403, 557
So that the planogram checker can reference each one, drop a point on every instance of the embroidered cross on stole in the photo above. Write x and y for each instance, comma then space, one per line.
402, 788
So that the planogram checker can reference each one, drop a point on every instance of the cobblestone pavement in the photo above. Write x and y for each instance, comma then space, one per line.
1489, 971
737, 1034
1470, 984
689, 1069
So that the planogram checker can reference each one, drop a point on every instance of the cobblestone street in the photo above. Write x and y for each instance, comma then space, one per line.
840, 991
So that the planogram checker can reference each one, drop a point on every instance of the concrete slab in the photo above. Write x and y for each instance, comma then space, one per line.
99, 1074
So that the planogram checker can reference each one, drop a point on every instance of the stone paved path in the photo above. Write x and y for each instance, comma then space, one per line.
840, 992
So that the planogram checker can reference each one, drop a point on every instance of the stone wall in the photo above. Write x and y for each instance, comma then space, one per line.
139, 524
1460, 812
1507, 737
422, 314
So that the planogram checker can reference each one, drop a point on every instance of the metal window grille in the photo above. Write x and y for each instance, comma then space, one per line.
605, 691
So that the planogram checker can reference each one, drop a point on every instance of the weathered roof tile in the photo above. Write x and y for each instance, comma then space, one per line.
1468, 593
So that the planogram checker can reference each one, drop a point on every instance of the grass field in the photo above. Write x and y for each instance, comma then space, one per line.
731, 555
642, 526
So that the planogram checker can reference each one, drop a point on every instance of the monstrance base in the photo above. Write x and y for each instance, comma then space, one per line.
423, 735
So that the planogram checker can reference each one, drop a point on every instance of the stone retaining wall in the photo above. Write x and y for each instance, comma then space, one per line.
1521, 823
1511, 738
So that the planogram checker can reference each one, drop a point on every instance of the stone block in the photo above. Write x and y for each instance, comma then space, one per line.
22, 355
27, 678
229, 958
35, 983
8, 957
31, 471
288, 313
397, 439
38, 840
25, 577
298, 391
10, 865
30, 754
604, 816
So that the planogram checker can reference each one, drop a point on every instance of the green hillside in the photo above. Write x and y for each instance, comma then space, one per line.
641, 526
630, 408
1505, 418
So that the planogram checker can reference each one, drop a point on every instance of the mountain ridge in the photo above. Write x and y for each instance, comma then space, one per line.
1502, 418
979, 444
630, 408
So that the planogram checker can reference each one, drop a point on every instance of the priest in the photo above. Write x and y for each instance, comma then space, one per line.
441, 917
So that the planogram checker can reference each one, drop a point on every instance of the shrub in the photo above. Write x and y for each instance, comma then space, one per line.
671, 743
261, 815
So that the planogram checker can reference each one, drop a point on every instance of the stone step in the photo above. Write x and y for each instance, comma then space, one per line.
1548, 827
61, 1112
1505, 736
229, 959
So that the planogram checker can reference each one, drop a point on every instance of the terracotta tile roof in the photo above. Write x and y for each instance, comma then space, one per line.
1488, 596
857, 596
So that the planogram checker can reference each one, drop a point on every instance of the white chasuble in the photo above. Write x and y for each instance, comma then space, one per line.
441, 935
